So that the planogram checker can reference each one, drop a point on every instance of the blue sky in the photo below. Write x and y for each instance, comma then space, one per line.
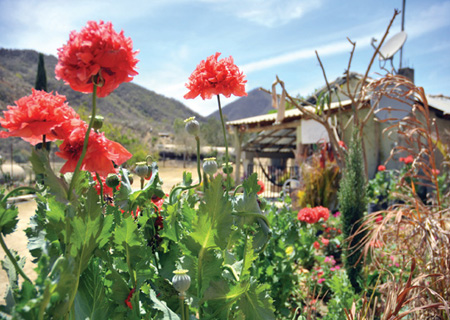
265, 37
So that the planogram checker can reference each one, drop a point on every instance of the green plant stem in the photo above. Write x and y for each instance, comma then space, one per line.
227, 184
172, 193
85, 144
236, 189
182, 311
101, 188
16, 190
13, 260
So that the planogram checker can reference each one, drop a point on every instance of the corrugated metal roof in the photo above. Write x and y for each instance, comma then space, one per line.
439, 102
293, 113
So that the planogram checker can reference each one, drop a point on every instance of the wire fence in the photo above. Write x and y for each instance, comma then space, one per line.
275, 177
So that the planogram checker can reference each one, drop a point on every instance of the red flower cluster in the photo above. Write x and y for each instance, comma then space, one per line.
43, 113
213, 77
409, 159
99, 155
97, 50
313, 215
36, 115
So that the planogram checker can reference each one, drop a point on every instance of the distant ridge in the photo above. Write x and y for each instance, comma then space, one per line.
257, 102
132, 110
130, 105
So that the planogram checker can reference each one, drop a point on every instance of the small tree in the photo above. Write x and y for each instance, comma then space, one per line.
41, 77
352, 205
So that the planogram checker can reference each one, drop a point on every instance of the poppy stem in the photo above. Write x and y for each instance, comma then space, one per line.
227, 184
85, 144
13, 260
172, 193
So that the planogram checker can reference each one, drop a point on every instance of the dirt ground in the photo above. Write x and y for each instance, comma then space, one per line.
171, 172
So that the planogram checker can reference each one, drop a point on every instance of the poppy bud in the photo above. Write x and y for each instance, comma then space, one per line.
227, 168
98, 122
192, 126
112, 181
210, 166
131, 178
142, 169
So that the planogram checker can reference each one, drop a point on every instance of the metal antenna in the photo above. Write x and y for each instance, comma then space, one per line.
403, 29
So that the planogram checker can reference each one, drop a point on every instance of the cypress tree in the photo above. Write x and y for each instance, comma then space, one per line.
41, 77
352, 205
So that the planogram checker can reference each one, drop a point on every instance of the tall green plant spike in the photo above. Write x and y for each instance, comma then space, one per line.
352, 205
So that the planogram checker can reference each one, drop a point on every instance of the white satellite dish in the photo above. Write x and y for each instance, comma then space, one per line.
391, 46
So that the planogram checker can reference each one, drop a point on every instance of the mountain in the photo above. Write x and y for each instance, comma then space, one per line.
130, 105
131, 108
257, 102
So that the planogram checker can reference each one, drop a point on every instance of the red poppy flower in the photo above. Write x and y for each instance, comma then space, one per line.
322, 212
99, 155
212, 77
381, 167
325, 241
316, 245
409, 159
36, 115
262, 187
158, 202
308, 215
96, 50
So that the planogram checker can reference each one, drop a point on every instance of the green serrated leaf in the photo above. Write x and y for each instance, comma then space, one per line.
40, 162
8, 218
162, 306
256, 304
91, 301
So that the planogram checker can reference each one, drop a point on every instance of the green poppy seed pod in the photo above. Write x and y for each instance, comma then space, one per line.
141, 169
192, 126
112, 181
227, 168
210, 166
181, 281
98, 122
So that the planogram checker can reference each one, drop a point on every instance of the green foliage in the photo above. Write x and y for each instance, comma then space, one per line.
352, 205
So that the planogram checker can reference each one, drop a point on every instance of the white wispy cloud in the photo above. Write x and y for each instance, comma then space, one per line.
303, 54
268, 13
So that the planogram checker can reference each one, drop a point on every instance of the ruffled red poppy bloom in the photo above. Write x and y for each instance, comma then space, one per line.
96, 50
325, 241
322, 212
36, 115
100, 153
381, 167
308, 215
212, 77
